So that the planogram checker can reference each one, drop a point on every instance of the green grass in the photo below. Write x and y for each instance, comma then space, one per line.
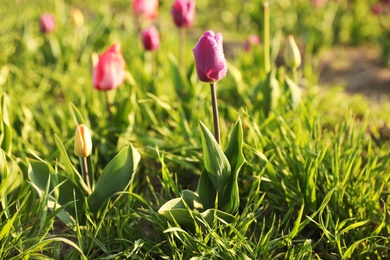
315, 183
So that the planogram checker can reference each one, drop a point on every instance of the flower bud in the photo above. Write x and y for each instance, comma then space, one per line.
77, 18
292, 56
82, 141
209, 57
252, 40
151, 39
109, 71
183, 12
147, 9
47, 23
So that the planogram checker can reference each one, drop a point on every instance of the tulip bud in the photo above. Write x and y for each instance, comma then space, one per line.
77, 18
209, 57
377, 9
47, 23
109, 71
151, 39
292, 56
146, 8
94, 60
252, 40
183, 12
82, 141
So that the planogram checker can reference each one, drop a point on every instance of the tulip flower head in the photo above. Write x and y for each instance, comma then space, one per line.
109, 71
319, 3
77, 18
47, 23
209, 57
292, 55
151, 39
82, 141
183, 12
148, 9
252, 40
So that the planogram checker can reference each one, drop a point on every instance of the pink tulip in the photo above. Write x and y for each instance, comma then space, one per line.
377, 9
146, 8
252, 40
183, 12
319, 3
209, 57
151, 39
47, 23
109, 72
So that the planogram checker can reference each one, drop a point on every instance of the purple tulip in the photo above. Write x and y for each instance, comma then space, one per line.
183, 12
209, 57
151, 39
47, 23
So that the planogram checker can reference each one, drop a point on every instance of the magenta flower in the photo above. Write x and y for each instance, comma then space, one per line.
151, 39
47, 23
319, 3
148, 9
183, 12
252, 40
209, 57
377, 9
109, 71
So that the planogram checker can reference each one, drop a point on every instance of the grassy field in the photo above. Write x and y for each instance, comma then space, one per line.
314, 183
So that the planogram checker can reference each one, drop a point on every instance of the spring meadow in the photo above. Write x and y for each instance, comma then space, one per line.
188, 129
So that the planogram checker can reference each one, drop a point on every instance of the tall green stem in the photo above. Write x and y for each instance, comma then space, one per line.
267, 62
84, 170
217, 131
182, 37
109, 105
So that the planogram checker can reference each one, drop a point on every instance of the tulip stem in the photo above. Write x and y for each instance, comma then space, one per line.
267, 63
295, 74
217, 131
84, 170
109, 105
182, 38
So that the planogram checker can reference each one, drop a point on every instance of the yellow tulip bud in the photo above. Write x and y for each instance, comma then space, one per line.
292, 55
82, 141
77, 18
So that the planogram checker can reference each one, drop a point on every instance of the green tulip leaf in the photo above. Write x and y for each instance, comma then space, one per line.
5, 125
206, 190
271, 92
216, 164
229, 200
295, 92
178, 212
116, 177
62, 191
70, 171
77, 116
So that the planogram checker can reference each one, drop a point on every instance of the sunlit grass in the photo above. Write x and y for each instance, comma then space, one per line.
315, 182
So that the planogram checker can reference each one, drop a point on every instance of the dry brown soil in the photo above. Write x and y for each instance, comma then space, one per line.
356, 68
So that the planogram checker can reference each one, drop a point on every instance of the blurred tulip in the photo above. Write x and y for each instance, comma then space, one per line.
319, 3
209, 57
252, 40
292, 55
47, 23
151, 39
82, 141
377, 9
77, 18
183, 12
94, 60
147, 9
109, 71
